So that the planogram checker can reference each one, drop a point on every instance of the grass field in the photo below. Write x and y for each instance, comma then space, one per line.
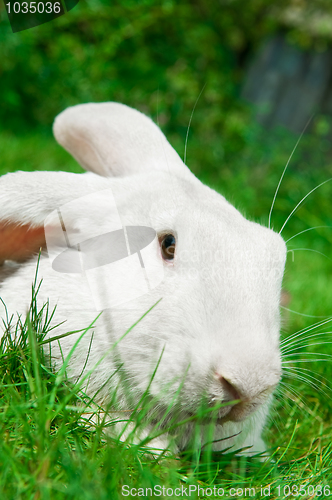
49, 450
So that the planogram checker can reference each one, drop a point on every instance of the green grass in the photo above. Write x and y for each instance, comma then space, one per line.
48, 447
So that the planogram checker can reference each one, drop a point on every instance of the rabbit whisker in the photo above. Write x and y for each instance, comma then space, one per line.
312, 384
293, 392
308, 250
297, 347
305, 371
188, 128
305, 360
311, 354
298, 400
302, 314
303, 337
300, 343
305, 230
284, 171
306, 330
301, 201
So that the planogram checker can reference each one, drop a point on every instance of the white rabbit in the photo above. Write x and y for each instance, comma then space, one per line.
215, 331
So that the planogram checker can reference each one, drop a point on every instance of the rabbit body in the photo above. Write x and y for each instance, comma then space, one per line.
213, 336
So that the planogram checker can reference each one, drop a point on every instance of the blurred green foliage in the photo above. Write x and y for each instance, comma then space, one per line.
154, 54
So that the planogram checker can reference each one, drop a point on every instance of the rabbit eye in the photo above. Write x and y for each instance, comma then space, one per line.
167, 245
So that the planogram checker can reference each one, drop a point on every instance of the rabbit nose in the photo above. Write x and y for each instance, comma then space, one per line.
231, 393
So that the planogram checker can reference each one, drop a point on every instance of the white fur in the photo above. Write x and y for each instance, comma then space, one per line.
219, 313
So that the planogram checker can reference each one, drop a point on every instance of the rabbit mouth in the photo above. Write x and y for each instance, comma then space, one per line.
245, 408
226, 410
235, 412
238, 412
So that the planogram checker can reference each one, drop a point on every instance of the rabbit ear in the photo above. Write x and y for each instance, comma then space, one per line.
26, 200
112, 139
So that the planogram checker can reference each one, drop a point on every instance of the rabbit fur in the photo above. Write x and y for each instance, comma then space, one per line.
213, 336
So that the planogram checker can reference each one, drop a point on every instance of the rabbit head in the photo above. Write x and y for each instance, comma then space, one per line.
140, 227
